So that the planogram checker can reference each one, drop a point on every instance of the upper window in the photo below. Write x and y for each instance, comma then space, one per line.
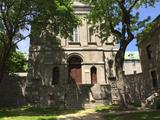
91, 35
149, 51
75, 36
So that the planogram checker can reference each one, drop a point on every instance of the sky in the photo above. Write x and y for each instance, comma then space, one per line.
144, 12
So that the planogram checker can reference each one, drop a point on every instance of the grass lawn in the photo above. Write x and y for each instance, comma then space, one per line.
135, 116
33, 113
28, 113
152, 115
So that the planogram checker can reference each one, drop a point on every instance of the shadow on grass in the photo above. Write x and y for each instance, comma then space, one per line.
49, 113
134, 116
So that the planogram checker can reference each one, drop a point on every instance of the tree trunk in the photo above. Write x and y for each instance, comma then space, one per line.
119, 59
4, 54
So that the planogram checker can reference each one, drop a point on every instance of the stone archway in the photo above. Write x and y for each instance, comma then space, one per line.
75, 69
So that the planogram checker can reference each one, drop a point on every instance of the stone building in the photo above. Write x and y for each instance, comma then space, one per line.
78, 71
132, 63
149, 48
73, 72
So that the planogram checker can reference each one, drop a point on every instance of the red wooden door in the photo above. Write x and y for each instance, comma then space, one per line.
75, 75
74, 70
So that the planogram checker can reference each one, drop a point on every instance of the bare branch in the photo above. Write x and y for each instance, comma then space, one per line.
21, 39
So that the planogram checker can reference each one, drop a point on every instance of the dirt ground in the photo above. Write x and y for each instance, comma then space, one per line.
88, 114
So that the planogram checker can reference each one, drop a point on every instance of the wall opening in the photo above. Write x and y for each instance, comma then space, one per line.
75, 70
93, 75
55, 75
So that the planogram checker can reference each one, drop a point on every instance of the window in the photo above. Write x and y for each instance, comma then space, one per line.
93, 75
91, 35
154, 79
75, 36
55, 76
149, 51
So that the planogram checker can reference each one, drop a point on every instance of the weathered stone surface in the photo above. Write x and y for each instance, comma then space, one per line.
11, 93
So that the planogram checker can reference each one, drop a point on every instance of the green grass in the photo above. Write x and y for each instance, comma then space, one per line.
28, 113
106, 108
36, 113
135, 116
33, 113
150, 115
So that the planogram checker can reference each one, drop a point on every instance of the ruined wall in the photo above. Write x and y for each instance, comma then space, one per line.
134, 88
11, 93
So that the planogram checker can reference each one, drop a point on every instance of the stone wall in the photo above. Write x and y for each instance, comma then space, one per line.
69, 95
11, 91
134, 88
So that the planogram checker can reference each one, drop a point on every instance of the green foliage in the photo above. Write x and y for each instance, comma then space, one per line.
114, 15
16, 63
46, 18
49, 15
145, 34
56, 18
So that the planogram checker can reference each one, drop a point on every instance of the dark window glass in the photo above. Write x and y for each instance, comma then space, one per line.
93, 75
154, 79
149, 51
55, 76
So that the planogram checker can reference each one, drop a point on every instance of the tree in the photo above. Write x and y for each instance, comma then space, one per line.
18, 15
16, 62
119, 18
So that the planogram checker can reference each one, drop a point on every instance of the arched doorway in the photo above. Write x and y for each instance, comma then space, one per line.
74, 69
93, 75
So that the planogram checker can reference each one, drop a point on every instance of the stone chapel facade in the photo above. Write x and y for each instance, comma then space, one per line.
73, 72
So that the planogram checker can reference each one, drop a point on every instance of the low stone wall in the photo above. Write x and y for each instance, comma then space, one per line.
68, 95
134, 88
11, 91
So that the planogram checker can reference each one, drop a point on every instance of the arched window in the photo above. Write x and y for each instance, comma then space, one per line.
74, 70
55, 75
93, 75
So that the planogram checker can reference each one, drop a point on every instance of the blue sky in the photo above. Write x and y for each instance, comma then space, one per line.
144, 12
